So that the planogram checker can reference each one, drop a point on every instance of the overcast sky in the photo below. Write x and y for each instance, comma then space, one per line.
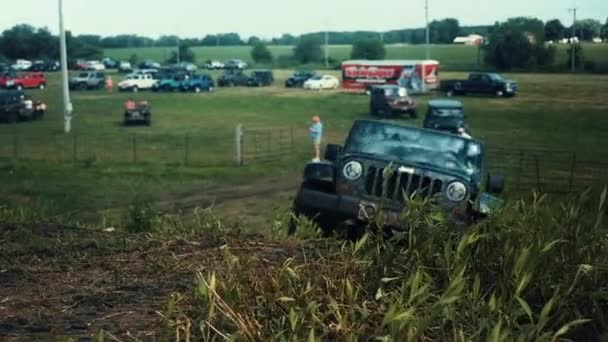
270, 18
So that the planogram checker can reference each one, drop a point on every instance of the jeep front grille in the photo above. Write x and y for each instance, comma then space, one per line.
399, 184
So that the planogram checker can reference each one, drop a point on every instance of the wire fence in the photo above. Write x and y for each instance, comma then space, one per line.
526, 167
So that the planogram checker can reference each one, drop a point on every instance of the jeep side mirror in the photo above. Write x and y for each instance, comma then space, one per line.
495, 184
332, 152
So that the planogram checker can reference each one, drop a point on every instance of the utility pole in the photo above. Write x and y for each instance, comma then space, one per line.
382, 37
178, 52
572, 47
67, 103
428, 35
326, 48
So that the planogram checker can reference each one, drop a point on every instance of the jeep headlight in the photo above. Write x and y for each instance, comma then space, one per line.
10, 83
456, 191
352, 170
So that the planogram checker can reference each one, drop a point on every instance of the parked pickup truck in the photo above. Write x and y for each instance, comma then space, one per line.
481, 83
26, 80
137, 82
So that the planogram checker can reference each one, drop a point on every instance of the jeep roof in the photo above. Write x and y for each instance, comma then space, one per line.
11, 95
445, 104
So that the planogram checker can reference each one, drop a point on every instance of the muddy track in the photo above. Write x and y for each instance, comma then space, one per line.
58, 282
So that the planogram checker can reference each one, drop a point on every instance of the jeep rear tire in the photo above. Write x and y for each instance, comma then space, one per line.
449, 93
82, 86
413, 114
210, 89
41, 86
135, 89
19, 87
500, 93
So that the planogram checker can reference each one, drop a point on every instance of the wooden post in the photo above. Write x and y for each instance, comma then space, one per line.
537, 174
572, 168
238, 144
74, 149
186, 149
134, 149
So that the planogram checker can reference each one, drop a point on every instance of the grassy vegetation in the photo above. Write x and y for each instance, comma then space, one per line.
552, 111
533, 272
452, 57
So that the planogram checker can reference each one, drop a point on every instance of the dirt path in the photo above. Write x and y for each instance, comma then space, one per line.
251, 204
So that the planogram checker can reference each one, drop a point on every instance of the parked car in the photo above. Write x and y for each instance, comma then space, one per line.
45, 66
14, 106
80, 64
95, 66
137, 82
142, 114
382, 166
445, 115
391, 100
235, 64
232, 78
298, 79
170, 82
125, 67
152, 72
213, 65
260, 78
198, 83
21, 65
322, 82
188, 67
88, 80
481, 83
23, 81
109, 63
148, 64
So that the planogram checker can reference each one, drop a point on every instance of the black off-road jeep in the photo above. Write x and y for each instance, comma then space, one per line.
383, 166
390, 101
445, 115
142, 114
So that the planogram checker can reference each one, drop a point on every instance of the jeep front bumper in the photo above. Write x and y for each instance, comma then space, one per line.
314, 203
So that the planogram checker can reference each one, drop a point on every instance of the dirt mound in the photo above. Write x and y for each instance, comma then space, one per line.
59, 281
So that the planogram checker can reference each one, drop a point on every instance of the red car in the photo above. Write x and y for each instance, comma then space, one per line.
22, 81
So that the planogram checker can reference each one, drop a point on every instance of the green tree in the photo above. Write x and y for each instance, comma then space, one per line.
554, 30
368, 49
185, 55
444, 31
604, 33
308, 50
587, 29
260, 53
515, 44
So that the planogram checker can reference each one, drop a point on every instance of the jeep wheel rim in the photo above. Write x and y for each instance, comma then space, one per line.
197, 89
499, 93
135, 89
41, 86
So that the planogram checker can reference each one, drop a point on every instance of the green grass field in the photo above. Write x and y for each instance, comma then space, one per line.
553, 111
452, 57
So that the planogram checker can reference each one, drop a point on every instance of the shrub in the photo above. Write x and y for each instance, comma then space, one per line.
260, 53
372, 49
308, 50
533, 272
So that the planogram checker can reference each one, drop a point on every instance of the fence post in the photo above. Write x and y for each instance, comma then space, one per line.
74, 148
187, 149
238, 143
15, 147
134, 149
572, 167
537, 174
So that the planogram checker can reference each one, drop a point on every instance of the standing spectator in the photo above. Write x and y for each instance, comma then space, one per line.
316, 133
109, 84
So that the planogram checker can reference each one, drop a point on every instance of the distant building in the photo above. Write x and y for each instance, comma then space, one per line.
472, 39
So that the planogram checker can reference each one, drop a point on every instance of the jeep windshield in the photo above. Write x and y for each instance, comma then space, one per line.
447, 112
416, 146
83, 75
